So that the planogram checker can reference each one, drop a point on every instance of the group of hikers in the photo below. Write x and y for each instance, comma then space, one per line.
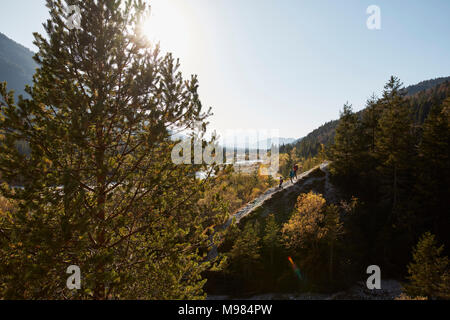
292, 174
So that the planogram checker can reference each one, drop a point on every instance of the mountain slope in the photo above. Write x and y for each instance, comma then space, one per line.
425, 85
16, 64
421, 97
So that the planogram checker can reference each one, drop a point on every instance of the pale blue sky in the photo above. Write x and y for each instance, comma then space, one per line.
285, 64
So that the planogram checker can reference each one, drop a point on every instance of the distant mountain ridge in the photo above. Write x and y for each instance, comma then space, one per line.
17, 66
425, 85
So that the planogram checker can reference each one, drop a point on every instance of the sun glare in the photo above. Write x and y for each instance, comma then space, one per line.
167, 24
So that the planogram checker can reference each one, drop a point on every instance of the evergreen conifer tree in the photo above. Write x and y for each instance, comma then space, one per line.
347, 150
271, 239
100, 190
394, 146
434, 169
245, 253
428, 269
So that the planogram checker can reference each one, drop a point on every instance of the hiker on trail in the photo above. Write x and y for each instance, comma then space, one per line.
295, 170
291, 175
281, 182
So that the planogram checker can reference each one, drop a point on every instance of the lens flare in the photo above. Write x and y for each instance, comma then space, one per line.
295, 268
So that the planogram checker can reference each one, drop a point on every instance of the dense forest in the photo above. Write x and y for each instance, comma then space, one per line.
390, 165
395, 159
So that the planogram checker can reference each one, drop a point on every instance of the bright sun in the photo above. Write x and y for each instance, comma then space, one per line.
171, 24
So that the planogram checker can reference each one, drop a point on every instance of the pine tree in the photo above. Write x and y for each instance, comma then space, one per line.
434, 169
428, 268
371, 131
348, 147
394, 145
444, 286
321, 156
245, 253
271, 239
334, 230
99, 188
370, 119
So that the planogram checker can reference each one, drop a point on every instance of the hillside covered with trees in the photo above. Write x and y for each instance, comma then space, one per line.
399, 167
16, 64
307, 150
